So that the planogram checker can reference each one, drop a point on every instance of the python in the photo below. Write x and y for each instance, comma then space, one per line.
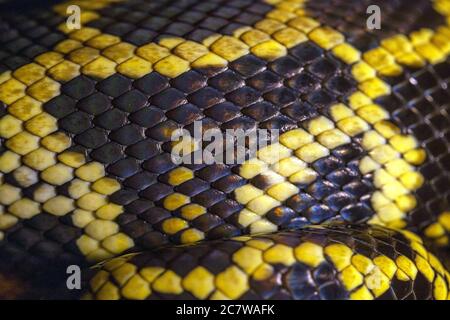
349, 202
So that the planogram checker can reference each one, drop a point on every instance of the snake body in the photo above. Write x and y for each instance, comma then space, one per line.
351, 201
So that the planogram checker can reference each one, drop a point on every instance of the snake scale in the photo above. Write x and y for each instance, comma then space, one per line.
351, 201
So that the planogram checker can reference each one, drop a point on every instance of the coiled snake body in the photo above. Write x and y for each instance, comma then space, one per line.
351, 202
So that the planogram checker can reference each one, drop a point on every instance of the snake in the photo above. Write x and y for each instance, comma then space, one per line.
350, 200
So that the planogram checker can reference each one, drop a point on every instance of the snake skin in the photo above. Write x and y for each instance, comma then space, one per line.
352, 201
359, 265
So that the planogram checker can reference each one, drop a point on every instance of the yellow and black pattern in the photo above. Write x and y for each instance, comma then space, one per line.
332, 262
398, 17
87, 117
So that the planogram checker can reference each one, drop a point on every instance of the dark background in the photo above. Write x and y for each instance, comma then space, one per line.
20, 5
